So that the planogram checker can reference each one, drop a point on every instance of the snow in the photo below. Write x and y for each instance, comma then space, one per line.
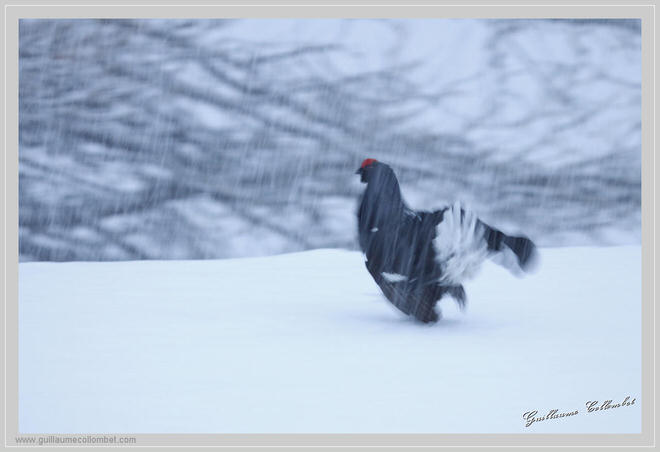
305, 342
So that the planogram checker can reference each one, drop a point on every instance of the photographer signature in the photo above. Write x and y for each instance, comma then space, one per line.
592, 406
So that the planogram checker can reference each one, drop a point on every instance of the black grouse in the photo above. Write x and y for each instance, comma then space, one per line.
416, 257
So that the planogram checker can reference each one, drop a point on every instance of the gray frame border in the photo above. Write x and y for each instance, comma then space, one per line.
644, 10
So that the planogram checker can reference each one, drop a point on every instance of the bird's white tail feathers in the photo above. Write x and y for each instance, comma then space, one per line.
459, 245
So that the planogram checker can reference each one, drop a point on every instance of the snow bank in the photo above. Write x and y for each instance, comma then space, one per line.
305, 342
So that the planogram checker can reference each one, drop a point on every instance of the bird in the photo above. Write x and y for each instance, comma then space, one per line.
418, 257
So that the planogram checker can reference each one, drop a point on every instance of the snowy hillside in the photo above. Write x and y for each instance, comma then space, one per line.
306, 343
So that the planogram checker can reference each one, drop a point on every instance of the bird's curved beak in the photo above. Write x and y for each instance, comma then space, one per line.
359, 171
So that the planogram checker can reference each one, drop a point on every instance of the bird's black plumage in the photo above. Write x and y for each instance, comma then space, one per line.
413, 255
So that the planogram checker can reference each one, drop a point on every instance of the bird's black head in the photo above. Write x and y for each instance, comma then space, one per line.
366, 169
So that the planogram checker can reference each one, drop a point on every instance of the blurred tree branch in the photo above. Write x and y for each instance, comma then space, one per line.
144, 139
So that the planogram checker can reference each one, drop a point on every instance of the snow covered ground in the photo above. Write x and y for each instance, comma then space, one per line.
305, 342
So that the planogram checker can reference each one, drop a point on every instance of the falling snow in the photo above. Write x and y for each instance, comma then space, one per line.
174, 139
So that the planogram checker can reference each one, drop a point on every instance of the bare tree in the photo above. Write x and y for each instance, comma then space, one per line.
150, 139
